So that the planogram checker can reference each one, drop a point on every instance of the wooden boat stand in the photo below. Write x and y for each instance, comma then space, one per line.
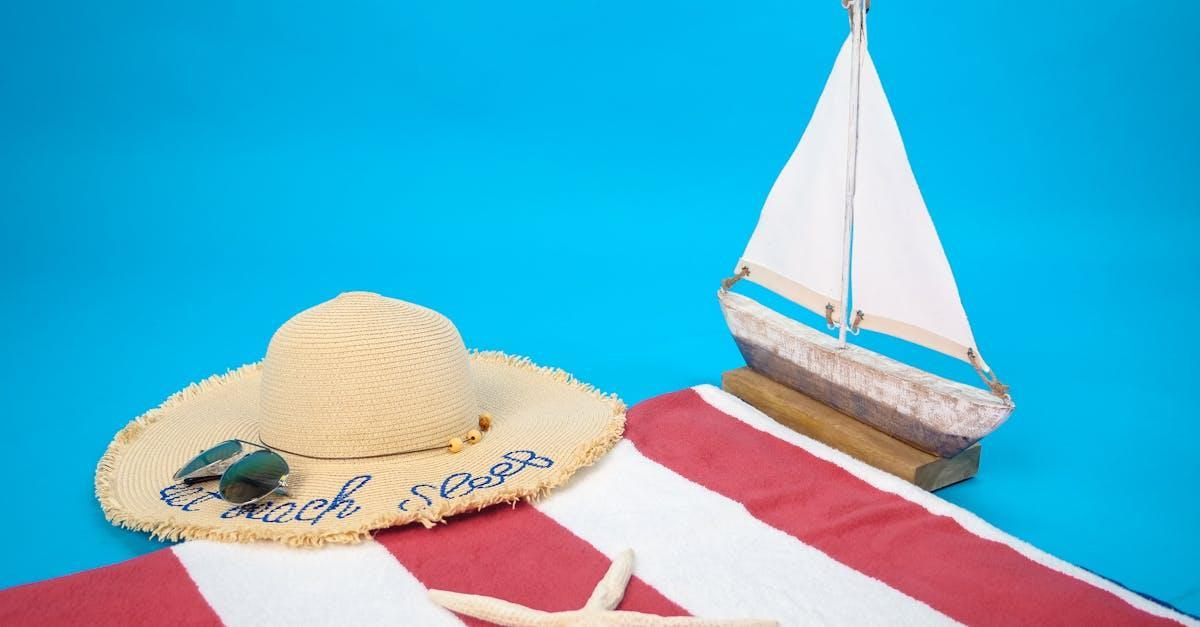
843, 432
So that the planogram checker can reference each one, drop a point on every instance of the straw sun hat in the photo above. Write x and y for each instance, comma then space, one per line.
373, 403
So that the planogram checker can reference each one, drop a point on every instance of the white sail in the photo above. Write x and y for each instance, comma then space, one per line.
796, 249
901, 280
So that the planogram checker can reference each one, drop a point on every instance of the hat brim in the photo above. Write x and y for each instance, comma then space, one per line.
546, 425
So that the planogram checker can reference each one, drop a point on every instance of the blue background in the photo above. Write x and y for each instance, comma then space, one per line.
570, 181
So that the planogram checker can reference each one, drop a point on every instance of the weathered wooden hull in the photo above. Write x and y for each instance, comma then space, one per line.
935, 414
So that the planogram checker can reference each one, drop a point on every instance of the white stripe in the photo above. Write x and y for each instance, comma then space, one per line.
271, 584
709, 555
737, 408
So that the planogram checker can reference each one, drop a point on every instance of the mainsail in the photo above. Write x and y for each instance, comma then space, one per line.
900, 276
901, 282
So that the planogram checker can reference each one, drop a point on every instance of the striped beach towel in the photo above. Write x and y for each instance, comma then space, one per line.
729, 514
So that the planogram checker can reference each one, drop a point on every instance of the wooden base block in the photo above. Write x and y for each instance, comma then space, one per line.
841, 431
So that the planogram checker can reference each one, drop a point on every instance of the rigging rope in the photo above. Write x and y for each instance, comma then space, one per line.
993, 382
728, 283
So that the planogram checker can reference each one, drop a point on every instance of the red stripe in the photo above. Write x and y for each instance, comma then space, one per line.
928, 557
153, 589
516, 554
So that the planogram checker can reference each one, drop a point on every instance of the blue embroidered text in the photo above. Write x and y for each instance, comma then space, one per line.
461, 484
188, 497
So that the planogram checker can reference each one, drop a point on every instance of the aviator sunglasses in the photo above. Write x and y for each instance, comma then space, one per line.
245, 477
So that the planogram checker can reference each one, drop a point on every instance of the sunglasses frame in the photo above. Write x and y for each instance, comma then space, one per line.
217, 469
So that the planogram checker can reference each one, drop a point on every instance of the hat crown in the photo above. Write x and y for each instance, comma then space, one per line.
364, 375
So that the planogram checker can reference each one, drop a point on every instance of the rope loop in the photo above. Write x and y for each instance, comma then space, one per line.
728, 283
993, 382
858, 318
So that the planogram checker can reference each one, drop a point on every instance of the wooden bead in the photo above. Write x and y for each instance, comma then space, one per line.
474, 436
456, 445
485, 421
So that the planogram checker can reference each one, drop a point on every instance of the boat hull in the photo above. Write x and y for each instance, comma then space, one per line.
935, 414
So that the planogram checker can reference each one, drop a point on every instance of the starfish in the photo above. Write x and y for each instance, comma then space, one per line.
599, 609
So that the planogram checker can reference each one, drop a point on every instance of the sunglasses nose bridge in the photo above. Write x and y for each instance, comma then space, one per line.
218, 457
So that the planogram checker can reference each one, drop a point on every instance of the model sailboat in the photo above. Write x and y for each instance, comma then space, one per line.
845, 233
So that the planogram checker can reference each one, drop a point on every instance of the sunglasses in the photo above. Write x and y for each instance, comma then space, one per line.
245, 477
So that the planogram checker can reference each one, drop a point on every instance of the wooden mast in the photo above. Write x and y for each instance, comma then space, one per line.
857, 16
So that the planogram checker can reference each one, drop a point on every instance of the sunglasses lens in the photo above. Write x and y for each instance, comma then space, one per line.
252, 477
218, 453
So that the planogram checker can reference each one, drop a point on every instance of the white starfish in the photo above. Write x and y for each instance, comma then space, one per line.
599, 609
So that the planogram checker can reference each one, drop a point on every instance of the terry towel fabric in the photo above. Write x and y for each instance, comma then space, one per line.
729, 513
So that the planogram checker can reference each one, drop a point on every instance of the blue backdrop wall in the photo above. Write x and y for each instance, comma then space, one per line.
570, 181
